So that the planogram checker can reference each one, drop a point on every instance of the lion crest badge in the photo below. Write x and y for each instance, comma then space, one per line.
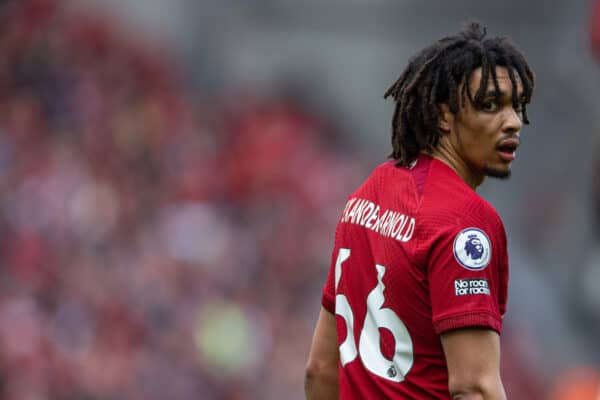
472, 249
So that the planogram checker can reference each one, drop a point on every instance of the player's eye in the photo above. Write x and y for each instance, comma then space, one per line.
519, 109
489, 105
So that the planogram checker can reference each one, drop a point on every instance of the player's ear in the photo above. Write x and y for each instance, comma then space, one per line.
445, 118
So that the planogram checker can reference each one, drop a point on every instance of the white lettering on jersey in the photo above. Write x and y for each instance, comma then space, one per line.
392, 224
464, 287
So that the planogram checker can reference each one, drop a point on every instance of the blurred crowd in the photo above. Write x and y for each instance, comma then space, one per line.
158, 242
154, 245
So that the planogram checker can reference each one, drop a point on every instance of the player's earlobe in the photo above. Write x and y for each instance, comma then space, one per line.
445, 118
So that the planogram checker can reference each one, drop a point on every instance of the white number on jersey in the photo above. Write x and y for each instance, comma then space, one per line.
369, 346
342, 308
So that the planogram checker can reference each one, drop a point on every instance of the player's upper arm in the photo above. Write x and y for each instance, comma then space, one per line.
473, 359
321, 381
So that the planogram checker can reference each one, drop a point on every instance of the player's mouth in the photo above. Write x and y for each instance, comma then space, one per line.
507, 149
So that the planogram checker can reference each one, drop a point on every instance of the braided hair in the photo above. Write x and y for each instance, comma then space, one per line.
435, 75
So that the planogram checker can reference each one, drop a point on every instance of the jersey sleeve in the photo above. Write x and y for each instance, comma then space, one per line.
328, 296
468, 274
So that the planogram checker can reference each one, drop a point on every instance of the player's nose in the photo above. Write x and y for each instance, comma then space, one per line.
513, 121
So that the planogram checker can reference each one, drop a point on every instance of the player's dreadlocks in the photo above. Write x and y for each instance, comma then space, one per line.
434, 76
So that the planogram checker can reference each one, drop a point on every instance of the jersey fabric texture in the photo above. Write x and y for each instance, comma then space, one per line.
417, 252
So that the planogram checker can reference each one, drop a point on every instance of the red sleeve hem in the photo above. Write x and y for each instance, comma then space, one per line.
328, 303
480, 319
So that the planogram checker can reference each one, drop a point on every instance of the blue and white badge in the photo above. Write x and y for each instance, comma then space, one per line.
472, 249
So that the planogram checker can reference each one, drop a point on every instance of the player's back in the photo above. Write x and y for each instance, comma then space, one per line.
389, 319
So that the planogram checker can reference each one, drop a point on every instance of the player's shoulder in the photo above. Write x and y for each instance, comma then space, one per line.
448, 198
385, 177
390, 170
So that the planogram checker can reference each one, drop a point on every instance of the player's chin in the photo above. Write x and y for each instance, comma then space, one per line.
500, 172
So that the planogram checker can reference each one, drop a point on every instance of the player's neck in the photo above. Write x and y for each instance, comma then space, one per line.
458, 165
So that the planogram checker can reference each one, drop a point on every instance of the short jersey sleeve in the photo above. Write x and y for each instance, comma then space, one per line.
328, 297
468, 274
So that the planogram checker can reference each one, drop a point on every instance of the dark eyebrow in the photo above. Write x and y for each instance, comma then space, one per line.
494, 93
498, 94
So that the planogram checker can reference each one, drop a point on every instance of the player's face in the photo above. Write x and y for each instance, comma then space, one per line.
486, 138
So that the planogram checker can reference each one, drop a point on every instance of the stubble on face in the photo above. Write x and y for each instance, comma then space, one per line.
497, 173
504, 100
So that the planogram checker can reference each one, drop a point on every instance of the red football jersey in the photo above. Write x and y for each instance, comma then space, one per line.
417, 252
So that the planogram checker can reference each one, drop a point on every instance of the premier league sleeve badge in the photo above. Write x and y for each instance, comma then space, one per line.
472, 249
